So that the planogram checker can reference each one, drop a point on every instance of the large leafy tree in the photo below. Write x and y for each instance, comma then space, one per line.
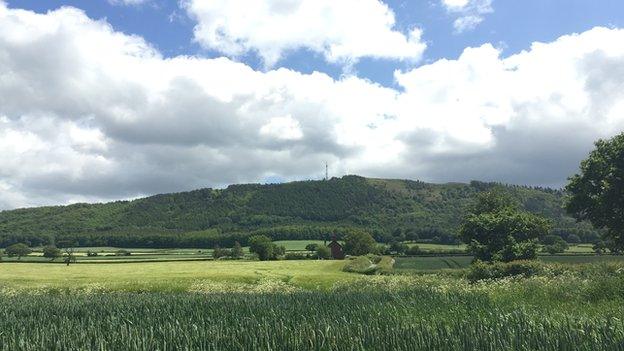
265, 248
358, 243
596, 193
497, 230
18, 250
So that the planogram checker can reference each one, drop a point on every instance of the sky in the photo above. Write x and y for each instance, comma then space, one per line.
116, 99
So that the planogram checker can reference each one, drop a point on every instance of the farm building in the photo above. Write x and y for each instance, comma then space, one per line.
336, 249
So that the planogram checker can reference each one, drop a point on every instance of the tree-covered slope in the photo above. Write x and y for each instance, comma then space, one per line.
383, 207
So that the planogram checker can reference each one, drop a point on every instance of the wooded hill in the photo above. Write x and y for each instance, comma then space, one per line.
401, 209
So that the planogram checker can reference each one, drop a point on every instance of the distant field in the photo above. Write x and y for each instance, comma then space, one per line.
407, 264
170, 276
430, 246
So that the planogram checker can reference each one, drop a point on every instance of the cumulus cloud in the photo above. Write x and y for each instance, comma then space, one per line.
102, 115
128, 2
342, 31
470, 13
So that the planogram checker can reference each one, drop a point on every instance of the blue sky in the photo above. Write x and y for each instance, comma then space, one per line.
114, 99
512, 26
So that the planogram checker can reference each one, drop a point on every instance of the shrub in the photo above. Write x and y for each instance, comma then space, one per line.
323, 252
123, 253
480, 270
51, 251
18, 250
414, 250
370, 264
296, 256
312, 247
91, 253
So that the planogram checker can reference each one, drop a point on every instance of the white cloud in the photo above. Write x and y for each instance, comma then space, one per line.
103, 115
470, 13
128, 2
342, 31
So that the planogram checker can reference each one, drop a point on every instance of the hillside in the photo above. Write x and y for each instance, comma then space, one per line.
297, 210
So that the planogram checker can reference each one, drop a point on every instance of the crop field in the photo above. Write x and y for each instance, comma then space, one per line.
368, 312
168, 276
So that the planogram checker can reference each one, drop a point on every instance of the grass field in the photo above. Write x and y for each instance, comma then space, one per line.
415, 264
169, 276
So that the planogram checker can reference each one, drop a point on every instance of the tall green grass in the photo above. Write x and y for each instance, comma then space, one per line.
564, 312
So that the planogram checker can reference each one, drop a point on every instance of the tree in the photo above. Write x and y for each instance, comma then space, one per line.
51, 251
218, 252
70, 257
312, 247
573, 239
596, 193
237, 250
554, 244
323, 252
358, 243
496, 230
600, 247
18, 250
265, 248
398, 248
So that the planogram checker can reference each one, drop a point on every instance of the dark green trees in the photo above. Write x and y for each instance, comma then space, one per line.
265, 248
358, 243
596, 193
51, 251
496, 230
18, 250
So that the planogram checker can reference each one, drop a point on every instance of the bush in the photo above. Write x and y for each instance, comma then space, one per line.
296, 256
312, 247
123, 253
480, 270
18, 250
370, 264
414, 250
91, 253
51, 251
323, 252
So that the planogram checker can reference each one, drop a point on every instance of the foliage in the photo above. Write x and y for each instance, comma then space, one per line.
358, 243
51, 251
369, 264
18, 250
323, 252
390, 210
597, 192
398, 248
69, 256
265, 248
496, 230
554, 244
218, 252
312, 247
480, 270
237, 251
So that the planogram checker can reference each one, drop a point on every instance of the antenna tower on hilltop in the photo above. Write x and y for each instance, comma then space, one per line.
326, 173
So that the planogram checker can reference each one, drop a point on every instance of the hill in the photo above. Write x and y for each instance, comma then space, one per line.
404, 209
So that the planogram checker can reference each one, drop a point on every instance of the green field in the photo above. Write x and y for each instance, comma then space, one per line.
169, 276
433, 263
277, 306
